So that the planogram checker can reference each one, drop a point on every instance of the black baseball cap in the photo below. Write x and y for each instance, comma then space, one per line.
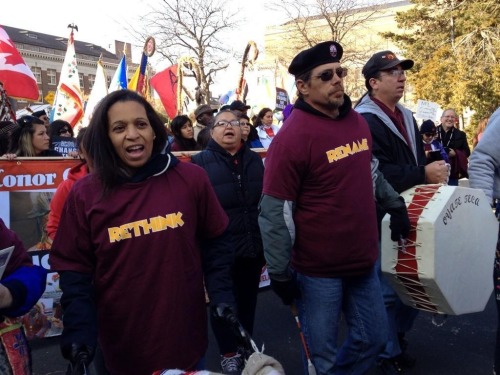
239, 106
384, 60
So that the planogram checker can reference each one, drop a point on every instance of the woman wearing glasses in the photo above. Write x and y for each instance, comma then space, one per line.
236, 173
30, 139
249, 133
62, 138
433, 148
60, 128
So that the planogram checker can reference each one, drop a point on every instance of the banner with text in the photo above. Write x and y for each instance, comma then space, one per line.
26, 188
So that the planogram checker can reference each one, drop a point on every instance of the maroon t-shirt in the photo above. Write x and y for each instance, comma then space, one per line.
323, 165
142, 244
19, 256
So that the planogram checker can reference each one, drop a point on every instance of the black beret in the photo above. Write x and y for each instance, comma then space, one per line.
322, 53
384, 60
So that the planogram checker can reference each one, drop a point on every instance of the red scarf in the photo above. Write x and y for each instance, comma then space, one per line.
269, 131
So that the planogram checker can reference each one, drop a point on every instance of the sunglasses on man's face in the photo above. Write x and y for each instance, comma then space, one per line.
430, 134
328, 75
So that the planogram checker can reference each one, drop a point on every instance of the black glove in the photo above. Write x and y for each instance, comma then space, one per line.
286, 290
226, 312
79, 356
400, 222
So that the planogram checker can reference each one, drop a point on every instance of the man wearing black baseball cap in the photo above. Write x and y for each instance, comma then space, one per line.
239, 107
398, 146
319, 184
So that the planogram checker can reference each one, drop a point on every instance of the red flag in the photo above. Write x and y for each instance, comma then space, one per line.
165, 84
17, 78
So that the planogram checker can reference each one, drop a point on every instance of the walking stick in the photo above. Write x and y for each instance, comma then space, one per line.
310, 367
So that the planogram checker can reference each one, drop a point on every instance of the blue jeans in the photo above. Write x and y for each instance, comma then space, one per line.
400, 317
322, 302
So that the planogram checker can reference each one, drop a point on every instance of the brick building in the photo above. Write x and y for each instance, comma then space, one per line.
45, 53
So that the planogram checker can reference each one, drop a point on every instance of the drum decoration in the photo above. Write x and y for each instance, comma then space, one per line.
446, 264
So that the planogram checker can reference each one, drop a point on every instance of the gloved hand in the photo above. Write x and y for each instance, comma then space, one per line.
225, 312
285, 289
79, 356
228, 314
399, 222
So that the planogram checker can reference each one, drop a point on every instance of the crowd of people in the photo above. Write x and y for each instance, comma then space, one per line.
209, 226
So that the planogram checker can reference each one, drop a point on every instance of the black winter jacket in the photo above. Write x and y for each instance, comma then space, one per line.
397, 162
237, 181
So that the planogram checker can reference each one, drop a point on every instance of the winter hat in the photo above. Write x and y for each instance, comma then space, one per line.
204, 108
427, 126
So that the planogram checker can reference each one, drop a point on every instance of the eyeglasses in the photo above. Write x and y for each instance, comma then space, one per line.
396, 73
225, 123
430, 134
244, 123
64, 131
327, 75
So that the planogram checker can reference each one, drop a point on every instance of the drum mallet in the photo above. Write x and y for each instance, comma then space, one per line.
310, 367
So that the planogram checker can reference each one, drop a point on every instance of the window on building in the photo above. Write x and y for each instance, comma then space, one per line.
37, 72
51, 77
80, 75
91, 81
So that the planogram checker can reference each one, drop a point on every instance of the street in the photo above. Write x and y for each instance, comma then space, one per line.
463, 345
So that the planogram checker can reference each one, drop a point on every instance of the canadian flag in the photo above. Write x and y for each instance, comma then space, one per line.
17, 78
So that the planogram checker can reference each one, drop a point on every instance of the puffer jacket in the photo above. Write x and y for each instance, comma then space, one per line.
237, 181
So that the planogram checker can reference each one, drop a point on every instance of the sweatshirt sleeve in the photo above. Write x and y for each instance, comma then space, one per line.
278, 233
25, 282
485, 158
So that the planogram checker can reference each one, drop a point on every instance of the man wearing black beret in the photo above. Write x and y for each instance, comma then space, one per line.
398, 146
318, 220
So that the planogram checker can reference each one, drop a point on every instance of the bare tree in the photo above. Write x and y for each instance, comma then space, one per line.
348, 22
192, 29
314, 21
